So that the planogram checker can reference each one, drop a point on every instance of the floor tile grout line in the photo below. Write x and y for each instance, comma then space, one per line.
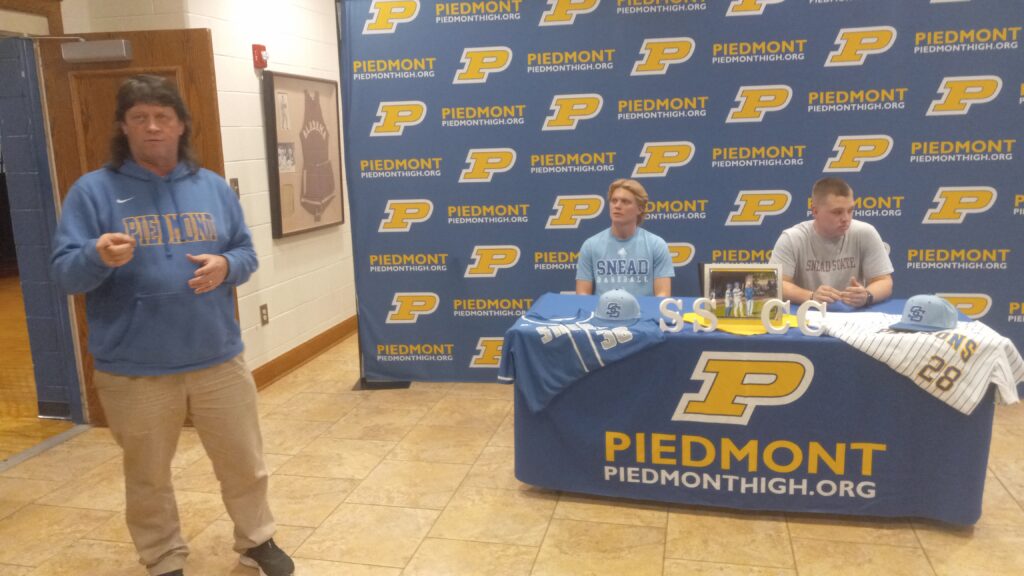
307, 536
446, 539
683, 508
606, 522
721, 563
858, 542
42, 447
475, 541
1020, 504
547, 529
375, 467
450, 497
924, 549
462, 484
792, 547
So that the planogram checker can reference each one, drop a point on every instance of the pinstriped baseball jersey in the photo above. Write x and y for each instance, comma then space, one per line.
956, 366
546, 355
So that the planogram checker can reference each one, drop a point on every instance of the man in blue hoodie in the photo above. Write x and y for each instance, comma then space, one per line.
158, 244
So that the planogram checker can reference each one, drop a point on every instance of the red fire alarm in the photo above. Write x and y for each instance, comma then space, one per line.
259, 56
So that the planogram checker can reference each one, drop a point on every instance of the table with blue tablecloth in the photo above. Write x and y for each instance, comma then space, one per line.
769, 422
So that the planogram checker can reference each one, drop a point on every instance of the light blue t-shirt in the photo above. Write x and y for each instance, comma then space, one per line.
631, 265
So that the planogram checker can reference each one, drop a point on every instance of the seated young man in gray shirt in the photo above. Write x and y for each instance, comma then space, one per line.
833, 258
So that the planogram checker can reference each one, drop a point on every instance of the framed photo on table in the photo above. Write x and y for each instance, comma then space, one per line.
740, 290
300, 119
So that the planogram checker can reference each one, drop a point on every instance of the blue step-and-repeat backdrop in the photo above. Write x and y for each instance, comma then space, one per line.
481, 137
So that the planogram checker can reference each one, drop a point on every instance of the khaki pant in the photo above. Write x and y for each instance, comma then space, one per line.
146, 414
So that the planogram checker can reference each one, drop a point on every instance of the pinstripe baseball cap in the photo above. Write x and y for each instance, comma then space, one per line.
927, 313
617, 307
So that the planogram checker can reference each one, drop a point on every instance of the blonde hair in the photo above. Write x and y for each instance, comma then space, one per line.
637, 190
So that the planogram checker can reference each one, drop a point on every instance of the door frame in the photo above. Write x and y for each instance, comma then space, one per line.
197, 82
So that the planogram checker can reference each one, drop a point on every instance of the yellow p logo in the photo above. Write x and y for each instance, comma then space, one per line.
386, 15
487, 260
736, 382
478, 63
393, 117
484, 163
956, 202
409, 306
568, 109
660, 53
658, 157
570, 210
564, 12
958, 93
402, 214
973, 306
488, 353
855, 44
853, 151
749, 7
755, 101
681, 252
754, 205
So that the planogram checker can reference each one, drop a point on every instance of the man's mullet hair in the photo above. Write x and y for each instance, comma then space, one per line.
157, 90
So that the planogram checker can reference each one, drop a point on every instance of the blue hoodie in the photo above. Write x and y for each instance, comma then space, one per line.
144, 320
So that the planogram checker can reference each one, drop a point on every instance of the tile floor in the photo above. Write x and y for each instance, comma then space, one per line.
420, 482
20, 426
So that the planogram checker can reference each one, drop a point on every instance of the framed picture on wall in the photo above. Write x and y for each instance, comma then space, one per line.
740, 290
300, 118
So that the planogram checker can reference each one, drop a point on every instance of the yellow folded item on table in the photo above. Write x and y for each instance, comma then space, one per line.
740, 326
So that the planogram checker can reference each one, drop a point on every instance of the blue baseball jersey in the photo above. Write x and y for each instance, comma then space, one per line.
544, 356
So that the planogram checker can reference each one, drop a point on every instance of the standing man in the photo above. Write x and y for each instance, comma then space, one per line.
833, 258
748, 293
158, 244
625, 255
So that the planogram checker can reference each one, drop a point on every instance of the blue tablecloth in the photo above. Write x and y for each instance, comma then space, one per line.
771, 422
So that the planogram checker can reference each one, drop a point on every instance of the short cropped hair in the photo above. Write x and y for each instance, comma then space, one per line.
150, 89
830, 186
637, 190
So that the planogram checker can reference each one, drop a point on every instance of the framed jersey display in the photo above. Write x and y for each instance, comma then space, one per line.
740, 290
303, 153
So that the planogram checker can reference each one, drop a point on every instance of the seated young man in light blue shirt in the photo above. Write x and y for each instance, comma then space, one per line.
625, 255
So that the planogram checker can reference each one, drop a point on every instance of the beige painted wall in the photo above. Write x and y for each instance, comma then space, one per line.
21, 23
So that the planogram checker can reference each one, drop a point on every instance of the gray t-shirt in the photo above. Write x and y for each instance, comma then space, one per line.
813, 261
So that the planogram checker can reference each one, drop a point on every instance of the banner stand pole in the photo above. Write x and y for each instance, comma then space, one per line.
362, 383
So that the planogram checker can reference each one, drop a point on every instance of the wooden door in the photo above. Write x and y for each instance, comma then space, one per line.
80, 103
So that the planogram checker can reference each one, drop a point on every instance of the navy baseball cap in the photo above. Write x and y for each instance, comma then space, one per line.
927, 313
617, 307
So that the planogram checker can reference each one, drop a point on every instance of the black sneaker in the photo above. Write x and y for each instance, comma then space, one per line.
269, 559
178, 572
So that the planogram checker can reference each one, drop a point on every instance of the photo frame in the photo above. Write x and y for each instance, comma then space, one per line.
303, 145
749, 285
